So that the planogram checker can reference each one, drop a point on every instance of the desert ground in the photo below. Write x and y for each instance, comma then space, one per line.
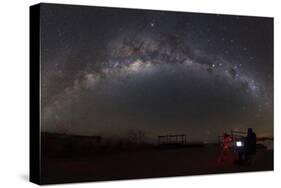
148, 163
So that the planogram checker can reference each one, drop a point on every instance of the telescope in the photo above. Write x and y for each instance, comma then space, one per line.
238, 137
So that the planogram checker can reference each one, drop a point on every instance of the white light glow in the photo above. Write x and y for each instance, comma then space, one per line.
239, 144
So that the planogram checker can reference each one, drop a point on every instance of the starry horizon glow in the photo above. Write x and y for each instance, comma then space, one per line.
108, 71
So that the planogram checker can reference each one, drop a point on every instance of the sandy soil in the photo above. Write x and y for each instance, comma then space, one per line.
148, 164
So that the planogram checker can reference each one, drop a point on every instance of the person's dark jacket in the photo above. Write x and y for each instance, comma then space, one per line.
251, 143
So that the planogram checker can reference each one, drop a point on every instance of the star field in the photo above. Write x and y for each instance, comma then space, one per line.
109, 71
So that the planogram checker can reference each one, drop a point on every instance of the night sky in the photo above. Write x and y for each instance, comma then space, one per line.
108, 71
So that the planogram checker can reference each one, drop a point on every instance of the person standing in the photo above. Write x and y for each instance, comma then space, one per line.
246, 153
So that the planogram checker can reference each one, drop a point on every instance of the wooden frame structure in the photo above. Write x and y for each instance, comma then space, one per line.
172, 139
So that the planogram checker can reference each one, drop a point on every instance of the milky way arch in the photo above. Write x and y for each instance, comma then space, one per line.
155, 75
